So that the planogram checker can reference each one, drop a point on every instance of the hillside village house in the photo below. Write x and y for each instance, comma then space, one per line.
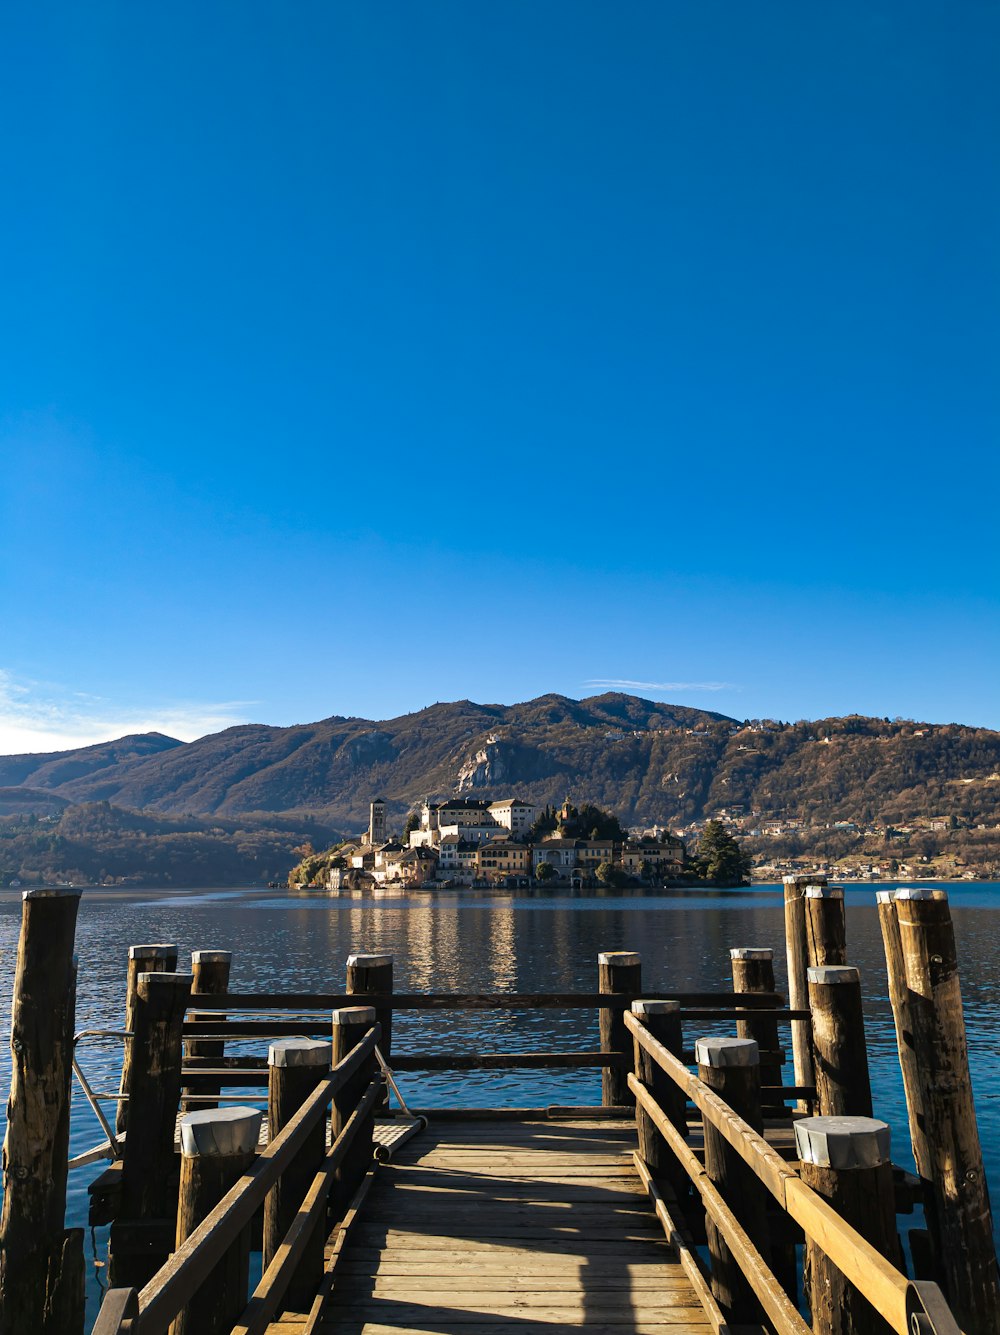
463, 840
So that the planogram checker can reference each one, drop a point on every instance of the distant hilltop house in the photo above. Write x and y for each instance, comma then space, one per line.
465, 841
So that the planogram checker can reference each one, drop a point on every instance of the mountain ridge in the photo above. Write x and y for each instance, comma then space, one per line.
648, 759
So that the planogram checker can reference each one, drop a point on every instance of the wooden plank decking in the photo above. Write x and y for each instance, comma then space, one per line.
496, 1227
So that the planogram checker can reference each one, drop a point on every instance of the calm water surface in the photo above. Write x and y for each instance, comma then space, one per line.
469, 941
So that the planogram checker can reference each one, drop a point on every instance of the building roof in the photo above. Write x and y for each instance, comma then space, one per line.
420, 854
510, 802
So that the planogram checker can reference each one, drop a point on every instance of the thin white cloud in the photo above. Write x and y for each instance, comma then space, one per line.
37, 716
620, 684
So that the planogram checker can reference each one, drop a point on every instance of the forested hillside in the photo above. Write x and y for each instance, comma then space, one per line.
260, 790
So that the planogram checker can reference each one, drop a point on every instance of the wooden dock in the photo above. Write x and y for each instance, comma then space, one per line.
534, 1226
496, 1220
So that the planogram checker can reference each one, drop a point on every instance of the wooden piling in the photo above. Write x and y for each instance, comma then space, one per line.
840, 1053
826, 925
846, 1161
373, 973
210, 977
617, 971
160, 958
350, 1024
143, 1233
731, 1067
294, 1068
961, 1208
899, 999
663, 1020
41, 1262
753, 971
798, 990
217, 1148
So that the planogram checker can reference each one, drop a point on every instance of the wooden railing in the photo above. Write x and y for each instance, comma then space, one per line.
231, 1018
909, 1308
152, 1310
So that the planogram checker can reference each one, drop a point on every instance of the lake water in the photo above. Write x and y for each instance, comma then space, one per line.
483, 941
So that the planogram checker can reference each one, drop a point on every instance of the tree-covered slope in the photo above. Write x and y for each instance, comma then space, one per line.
646, 761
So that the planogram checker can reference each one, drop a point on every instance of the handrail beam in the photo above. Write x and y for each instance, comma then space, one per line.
768, 1291
267, 1296
881, 1283
323, 1001
193, 1262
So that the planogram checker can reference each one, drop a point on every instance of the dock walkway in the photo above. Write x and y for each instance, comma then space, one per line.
500, 1226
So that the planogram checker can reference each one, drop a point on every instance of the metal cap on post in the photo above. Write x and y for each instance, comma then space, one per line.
360, 960
716, 1052
299, 1052
161, 951
751, 953
845, 1160
832, 974
211, 957
842, 1142
353, 1015
652, 1006
918, 893
220, 1131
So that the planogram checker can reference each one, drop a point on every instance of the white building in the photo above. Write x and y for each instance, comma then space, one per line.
514, 815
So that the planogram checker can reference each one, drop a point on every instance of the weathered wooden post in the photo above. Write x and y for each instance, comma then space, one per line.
840, 1053
141, 959
617, 971
798, 991
41, 1262
142, 1235
217, 1148
753, 971
846, 1161
350, 1025
731, 1067
294, 1068
826, 925
899, 997
372, 974
967, 1254
663, 1020
210, 977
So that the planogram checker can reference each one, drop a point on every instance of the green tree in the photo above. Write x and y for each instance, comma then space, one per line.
608, 874
543, 825
412, 823
544, 871
721, 859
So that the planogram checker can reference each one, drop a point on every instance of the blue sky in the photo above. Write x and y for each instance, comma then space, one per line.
361, 356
